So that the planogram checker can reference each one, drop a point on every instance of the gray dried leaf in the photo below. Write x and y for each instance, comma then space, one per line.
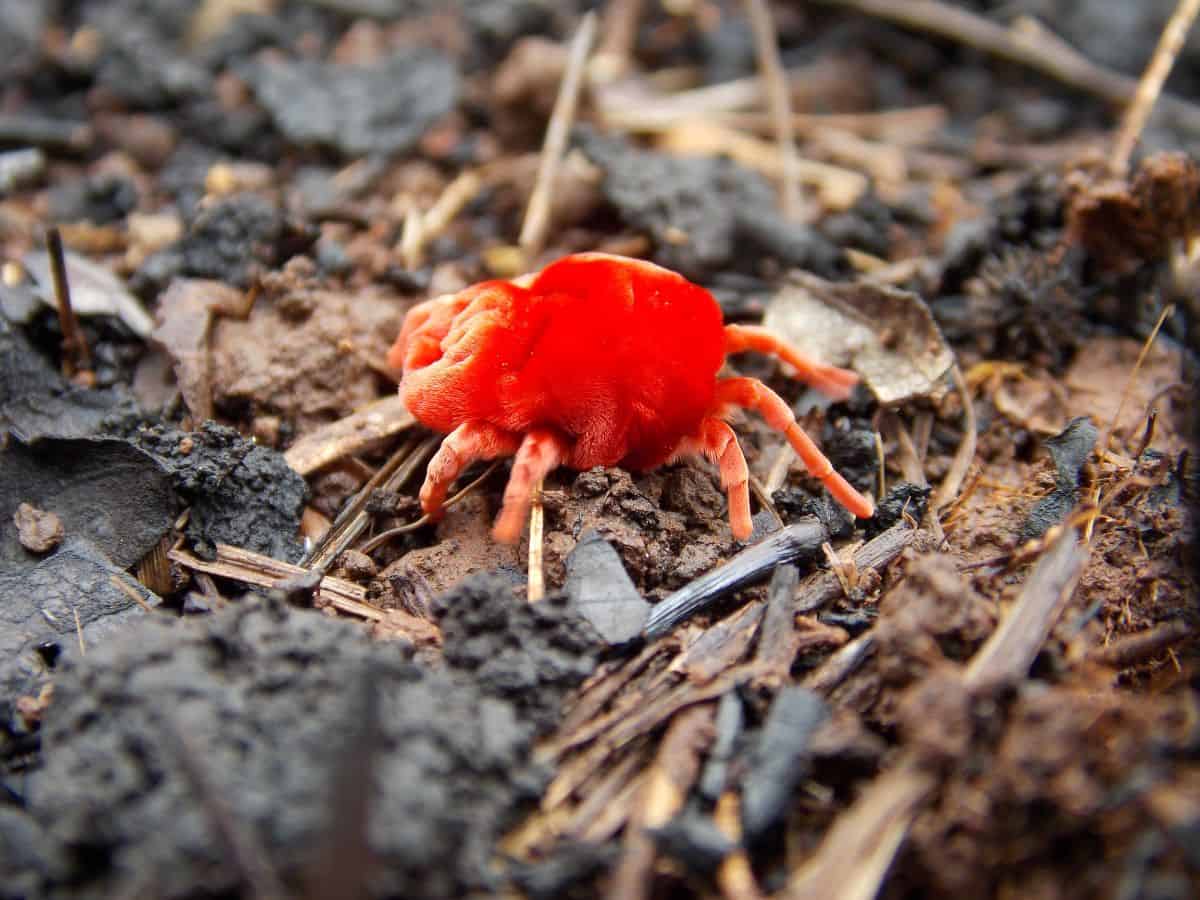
885, 334
95, 291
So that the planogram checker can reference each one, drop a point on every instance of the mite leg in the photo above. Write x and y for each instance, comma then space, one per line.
540, 453
467, 443
829, 380
750, 393
717, 441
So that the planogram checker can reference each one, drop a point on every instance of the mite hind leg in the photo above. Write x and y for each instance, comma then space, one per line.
468, 443
750, 393
716, 441
829, 380
541, 452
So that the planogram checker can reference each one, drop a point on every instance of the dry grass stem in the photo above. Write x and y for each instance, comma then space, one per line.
1169, 44
537, 213
779, 101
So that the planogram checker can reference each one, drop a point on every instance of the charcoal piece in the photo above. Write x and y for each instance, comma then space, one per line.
267, 700
21, 25
716, 205
730, 721
1070, 450
779, 759
794, 502
694, 840
601, 591
380, 109
903, 498
527, 654
39, 605
24, 857
241, 493
232, 241
800, 540
105, 490
143, 63
569, 865
102, 199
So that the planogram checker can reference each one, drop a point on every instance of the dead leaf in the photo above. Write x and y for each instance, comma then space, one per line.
885, 334
95, 290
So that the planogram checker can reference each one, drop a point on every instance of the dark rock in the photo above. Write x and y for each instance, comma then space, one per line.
696, 841
778, 761
265, 703
601, 591
102, 199
902, 498
528, 654
241, 493
358, 110
1070, 449
701, 212
231, 241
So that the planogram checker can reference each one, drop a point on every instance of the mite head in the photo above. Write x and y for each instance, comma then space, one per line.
425, 326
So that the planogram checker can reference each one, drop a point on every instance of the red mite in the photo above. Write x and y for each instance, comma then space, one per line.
601, 361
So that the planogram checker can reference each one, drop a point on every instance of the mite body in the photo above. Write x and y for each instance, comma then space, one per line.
601, 361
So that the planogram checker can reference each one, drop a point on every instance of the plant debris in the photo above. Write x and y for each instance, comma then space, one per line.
236, 658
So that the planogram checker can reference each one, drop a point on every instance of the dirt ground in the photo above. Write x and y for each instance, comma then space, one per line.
237, 661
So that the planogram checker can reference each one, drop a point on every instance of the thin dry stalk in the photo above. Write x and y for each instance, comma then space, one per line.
735, 877
1007, 655
859, 849
412, 239
770, 67
77, 357
537, 214
261, 571
965, 454
612, 58
1125, 392
1150, 86
337, 440
1022, 44
663, 793
384, 536
537, 519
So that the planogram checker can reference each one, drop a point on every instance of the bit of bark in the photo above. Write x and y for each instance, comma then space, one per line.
662, 795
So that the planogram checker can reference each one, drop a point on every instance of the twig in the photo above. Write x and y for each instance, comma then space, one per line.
253, 568
384, 536
363, 427
663, 793
734, 876
1025, 45
1150, 86
1102, 452
965, 454
79, 631
621, 19
353, 520
855, 855
537, 214
77, 358
1009, 652
537, 518
1144, 645
770, 68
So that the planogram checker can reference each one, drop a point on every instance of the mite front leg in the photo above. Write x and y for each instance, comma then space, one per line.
829, 380
750, 393
540, 453
469, 442
717, 441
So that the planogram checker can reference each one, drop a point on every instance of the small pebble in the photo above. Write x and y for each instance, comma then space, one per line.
39, 531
